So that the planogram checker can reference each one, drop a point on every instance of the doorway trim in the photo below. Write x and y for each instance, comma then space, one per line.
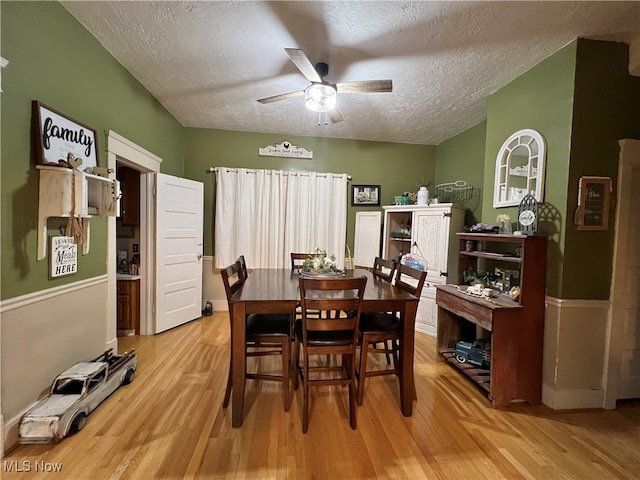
124, 151
629, 158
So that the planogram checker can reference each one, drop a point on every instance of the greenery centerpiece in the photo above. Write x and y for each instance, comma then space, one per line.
319, 263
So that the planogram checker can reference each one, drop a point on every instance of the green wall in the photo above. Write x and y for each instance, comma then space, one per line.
606, 109
462, 158
395, 167
53, 59
540, 99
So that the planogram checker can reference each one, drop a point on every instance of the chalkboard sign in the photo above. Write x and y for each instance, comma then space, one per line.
593, 203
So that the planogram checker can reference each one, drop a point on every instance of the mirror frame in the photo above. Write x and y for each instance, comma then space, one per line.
534, 142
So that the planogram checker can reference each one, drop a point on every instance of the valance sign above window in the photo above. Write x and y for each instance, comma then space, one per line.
58, 136
285, 149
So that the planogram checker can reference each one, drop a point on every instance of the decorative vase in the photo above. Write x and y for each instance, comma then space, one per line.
423, 196
505, 228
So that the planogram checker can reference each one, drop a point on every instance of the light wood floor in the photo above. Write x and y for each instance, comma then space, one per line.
169, 424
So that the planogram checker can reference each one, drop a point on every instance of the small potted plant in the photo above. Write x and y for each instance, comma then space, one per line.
505, 223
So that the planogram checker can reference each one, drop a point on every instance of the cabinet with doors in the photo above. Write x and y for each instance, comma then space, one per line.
130, 201
128, 305
513, 326
428, 231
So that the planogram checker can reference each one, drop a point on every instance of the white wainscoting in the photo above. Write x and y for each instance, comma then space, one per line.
575, 336
42, 334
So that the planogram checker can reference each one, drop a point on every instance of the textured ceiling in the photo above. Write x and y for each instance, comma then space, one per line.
208, 62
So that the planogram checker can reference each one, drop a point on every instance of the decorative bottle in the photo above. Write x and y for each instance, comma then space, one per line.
423, 196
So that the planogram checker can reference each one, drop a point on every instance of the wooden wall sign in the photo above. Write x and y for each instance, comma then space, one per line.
593, 203
285, 149
58, 136
64, 257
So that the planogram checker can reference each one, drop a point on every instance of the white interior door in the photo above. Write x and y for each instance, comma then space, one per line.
623, 369
366, 245
179, 214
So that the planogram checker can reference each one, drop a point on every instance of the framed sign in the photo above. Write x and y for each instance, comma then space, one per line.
63, 260
58, 136
365, 195
593, 203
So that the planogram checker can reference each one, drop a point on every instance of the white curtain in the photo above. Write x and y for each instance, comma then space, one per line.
266, 214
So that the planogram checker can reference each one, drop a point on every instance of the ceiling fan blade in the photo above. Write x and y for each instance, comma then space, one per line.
301, 61
335, 115
282, 96
365, 86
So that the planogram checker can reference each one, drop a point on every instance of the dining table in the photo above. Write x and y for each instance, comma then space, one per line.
273, 290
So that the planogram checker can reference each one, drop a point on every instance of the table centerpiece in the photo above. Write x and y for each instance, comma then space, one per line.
319, 264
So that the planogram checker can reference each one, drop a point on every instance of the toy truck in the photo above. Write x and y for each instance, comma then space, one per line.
75, 393
477, 353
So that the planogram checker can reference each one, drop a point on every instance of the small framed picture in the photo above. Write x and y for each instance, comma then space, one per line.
365, 195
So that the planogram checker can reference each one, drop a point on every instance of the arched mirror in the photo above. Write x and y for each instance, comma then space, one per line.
520, 169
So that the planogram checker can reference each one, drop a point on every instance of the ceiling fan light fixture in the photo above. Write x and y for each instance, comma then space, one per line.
319, 97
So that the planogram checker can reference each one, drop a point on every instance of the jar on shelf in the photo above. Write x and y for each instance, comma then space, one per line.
505, 228
423, 196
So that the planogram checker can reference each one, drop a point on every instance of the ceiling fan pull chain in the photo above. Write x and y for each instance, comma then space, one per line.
323, 118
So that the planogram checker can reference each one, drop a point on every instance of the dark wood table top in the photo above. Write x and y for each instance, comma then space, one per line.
282, 285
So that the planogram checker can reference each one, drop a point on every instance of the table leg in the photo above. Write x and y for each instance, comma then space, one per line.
406, 358
239, 360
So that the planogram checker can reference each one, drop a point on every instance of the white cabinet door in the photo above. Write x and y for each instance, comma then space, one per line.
366, 246
430, 230
427, 314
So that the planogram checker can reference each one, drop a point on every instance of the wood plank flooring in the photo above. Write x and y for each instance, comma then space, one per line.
169, 424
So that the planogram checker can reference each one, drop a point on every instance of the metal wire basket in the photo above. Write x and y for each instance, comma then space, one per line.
458, 192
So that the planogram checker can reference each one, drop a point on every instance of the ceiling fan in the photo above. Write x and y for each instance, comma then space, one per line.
320, 96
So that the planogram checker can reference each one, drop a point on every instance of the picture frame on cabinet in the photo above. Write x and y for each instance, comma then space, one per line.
365, 195
59, 138
593, 203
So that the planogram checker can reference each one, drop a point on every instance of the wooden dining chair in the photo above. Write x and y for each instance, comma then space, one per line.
386, 327
297, 259
385, 270
243, 264
330, 334
266, 334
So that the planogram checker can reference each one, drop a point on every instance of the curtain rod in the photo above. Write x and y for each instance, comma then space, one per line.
234, 170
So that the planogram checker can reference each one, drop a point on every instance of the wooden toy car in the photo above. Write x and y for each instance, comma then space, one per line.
75, 393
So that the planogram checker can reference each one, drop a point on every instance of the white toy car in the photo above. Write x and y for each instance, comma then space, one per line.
75, 393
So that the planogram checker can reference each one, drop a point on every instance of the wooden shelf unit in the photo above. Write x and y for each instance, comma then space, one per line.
514, 327
64, 192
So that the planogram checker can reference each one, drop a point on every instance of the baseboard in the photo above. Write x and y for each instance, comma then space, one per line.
10, 433
220, 306
572, 399
113, 343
